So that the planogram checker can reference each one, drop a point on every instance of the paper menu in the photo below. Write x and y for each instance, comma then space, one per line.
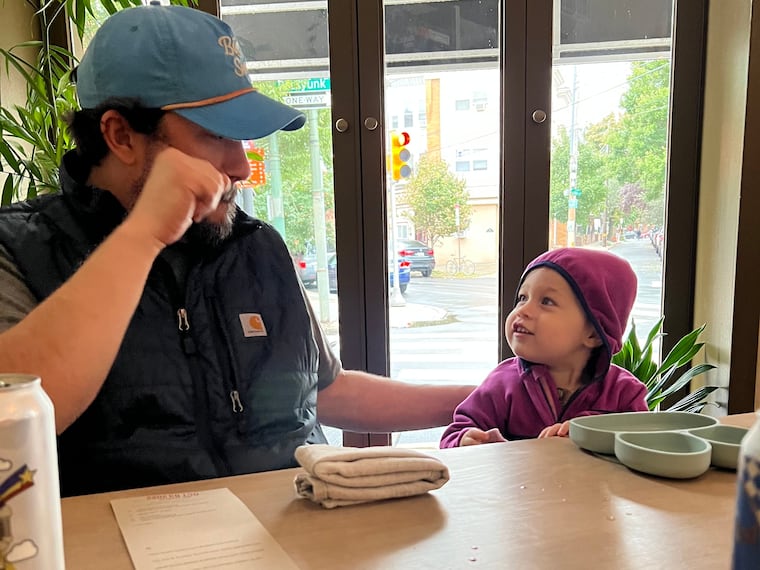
196, 530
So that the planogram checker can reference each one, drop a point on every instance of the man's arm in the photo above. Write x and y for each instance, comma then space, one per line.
363, 402
16, 300
71, 339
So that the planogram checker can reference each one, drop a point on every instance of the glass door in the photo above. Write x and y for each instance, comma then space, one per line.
442, 130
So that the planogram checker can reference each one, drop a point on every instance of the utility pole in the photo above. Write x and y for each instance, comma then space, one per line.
396, 297
572, 193
318, 210
459, 238
276, 207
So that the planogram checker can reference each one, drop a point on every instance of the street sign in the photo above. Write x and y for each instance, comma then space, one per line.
307, 99
318, 84
572, 203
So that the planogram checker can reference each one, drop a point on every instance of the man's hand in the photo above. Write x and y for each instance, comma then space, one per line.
475, 436
179, 190
556, 430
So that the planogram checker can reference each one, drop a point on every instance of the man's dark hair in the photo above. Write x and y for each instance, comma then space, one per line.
84, 125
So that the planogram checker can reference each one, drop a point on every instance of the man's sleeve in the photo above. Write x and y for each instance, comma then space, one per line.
16, 300
329, 364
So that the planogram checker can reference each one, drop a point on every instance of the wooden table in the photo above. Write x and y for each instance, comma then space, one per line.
528, 504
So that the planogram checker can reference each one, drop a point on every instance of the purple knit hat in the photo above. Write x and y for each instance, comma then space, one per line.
605, 286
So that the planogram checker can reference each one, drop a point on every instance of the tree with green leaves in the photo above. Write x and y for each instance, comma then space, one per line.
432, 195
638, 146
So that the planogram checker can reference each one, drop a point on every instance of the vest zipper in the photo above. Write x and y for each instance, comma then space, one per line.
184, 325
227, 360
200, 398
237, 405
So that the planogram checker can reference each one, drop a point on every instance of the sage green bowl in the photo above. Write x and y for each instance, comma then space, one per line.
679, 455
597, 433
725, 441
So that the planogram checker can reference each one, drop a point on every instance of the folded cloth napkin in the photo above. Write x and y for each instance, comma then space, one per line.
339, 476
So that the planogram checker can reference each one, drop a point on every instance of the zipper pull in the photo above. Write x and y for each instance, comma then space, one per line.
237, 405
184, 324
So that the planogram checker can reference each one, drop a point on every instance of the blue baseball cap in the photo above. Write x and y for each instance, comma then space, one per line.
182, 60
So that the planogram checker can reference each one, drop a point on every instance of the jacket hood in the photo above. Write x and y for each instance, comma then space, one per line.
605, 286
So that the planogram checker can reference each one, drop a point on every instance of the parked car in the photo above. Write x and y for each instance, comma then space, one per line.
307, 270
657, 237
420, 255
404, 273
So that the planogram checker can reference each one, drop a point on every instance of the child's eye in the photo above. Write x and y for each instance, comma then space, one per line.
521, 298
547, 301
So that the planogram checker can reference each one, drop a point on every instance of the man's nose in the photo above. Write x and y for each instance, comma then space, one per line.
236, 164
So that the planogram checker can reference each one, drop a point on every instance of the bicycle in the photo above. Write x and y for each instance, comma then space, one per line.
457, 265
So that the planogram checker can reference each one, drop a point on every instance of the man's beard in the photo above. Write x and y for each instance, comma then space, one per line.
203, 233
209, 234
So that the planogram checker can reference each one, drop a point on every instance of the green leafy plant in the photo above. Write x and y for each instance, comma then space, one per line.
33, 136
661, 380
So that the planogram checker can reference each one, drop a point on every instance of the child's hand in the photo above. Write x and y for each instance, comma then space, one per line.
557, 430
475, 436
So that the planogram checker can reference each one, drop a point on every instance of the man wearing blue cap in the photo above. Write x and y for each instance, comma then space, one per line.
168, 327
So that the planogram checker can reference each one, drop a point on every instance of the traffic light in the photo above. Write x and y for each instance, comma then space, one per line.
400, 155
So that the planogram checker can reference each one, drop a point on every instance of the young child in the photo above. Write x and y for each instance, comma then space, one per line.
571, 310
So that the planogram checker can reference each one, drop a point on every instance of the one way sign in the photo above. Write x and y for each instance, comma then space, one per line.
307, 100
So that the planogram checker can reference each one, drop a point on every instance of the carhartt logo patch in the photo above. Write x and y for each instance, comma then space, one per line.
253, 324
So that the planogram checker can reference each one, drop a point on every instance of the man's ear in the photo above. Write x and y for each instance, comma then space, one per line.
122, 140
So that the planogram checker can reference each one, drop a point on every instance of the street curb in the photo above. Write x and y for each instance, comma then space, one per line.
411, 313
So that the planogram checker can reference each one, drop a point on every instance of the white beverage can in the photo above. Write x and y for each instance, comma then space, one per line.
31, 534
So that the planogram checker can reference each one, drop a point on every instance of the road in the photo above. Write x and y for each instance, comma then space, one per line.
465, 350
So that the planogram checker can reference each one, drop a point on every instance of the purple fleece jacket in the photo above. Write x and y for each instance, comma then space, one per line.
520, 398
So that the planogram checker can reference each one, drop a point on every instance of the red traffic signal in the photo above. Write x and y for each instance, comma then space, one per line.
400, 155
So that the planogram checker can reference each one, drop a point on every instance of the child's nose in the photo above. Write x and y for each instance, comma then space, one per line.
525, 309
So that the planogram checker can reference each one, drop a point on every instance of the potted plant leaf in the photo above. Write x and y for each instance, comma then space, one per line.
661, 380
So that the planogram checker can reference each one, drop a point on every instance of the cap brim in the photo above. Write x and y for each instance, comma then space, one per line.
247, 117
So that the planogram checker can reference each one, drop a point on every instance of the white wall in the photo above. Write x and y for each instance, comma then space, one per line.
16, 26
